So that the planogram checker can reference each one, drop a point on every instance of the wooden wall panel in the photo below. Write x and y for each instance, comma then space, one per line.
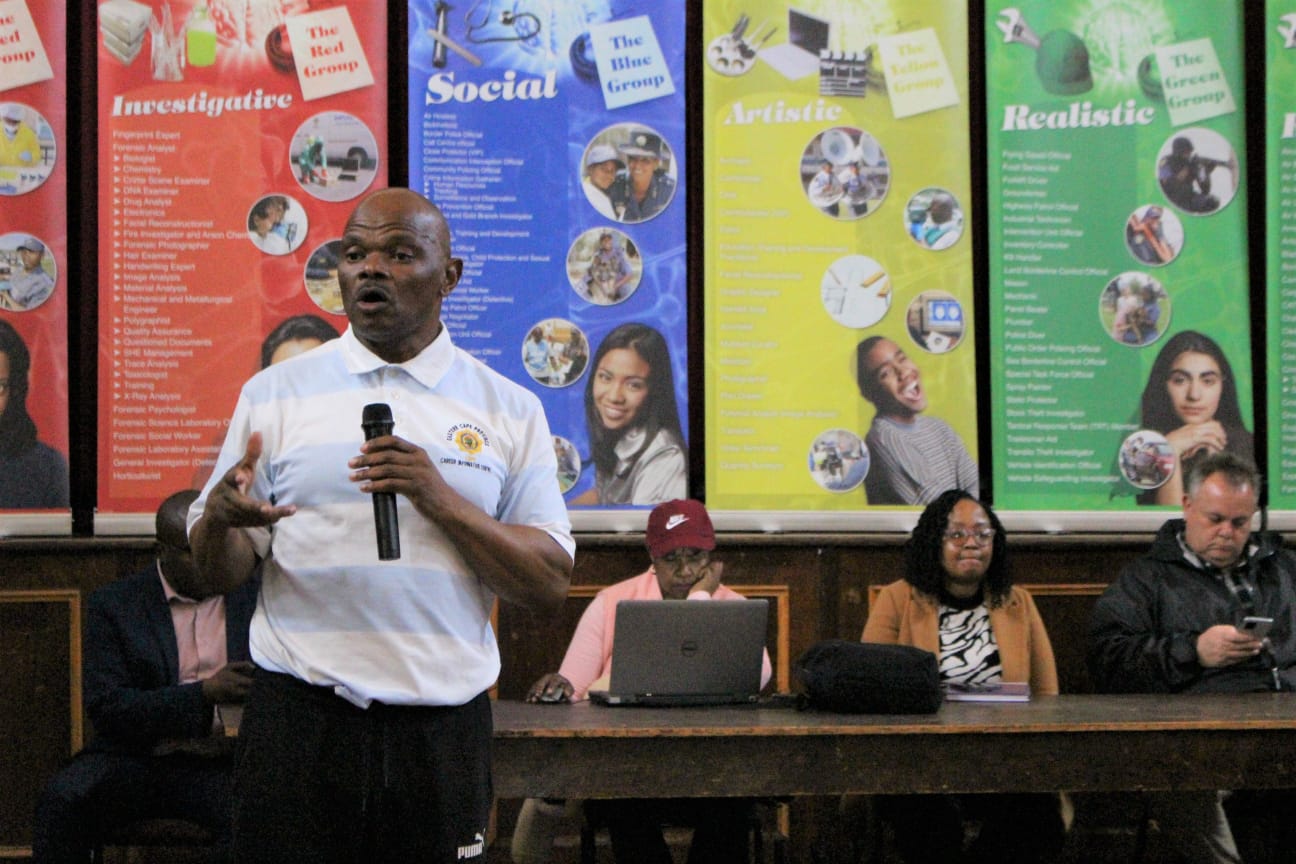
43, 585
860, 567
40, 675
822, 581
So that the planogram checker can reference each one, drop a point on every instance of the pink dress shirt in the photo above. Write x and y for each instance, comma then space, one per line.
200, 633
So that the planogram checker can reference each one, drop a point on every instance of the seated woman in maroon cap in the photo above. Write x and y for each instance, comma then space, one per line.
680, 542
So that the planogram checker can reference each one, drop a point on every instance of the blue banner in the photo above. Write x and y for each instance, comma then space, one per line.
574, 257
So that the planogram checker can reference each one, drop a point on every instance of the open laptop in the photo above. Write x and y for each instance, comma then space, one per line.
799, 55
686, 652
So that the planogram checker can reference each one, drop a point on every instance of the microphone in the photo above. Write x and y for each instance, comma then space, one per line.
376, 422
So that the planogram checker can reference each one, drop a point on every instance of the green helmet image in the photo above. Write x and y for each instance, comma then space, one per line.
1062, 64
1149, 78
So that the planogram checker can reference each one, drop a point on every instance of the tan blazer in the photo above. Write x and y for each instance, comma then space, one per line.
902, 615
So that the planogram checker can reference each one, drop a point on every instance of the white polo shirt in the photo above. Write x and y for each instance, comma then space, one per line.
415, 631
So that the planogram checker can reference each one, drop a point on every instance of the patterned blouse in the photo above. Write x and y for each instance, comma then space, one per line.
968, 651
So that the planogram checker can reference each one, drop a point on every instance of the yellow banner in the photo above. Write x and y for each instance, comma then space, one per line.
839, 341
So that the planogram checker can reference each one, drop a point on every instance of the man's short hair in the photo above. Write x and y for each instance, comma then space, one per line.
1238, 472
169, 523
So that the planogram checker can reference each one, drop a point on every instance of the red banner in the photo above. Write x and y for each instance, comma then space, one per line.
234, 138
33, 262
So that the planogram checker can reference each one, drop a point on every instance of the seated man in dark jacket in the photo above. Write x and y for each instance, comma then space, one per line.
1171, 624
159, 658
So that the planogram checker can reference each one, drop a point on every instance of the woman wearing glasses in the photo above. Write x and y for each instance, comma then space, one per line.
957, 600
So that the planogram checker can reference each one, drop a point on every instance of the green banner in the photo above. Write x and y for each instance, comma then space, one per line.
838, 242
1280, 212
1117, 241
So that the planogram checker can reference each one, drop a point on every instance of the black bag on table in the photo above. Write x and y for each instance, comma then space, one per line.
866, 678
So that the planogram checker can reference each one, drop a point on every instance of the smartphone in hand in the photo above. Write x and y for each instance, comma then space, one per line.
1256, 626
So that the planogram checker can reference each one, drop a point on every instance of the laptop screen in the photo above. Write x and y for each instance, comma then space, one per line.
689, 650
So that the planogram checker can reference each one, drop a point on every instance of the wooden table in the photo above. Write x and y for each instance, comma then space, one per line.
1077, 743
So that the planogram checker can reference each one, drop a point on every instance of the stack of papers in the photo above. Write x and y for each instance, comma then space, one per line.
1005, 691
123, 24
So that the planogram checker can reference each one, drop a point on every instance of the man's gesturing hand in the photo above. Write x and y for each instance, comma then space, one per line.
229, 503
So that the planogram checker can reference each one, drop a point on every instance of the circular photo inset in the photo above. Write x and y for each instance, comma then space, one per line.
27, 272
934, 219
856, 291
730, 56
27, 148
322, 277
1198, 171
1134, 309
604, 266
935, 321
1147, 460
334, 156
844, 173
276, 224
629, 173
569, 463
555, 352
838, 460
1154, 235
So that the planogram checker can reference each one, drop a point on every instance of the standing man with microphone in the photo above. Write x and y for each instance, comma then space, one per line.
368, 730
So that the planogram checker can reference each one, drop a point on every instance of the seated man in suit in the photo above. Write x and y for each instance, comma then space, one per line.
159, 658
680, 541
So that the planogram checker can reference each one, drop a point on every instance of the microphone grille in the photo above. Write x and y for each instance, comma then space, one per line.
377, 412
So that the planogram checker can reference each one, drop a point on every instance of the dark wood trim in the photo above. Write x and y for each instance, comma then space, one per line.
76, 725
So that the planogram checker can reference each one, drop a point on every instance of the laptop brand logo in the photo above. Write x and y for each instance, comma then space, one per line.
675, 521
